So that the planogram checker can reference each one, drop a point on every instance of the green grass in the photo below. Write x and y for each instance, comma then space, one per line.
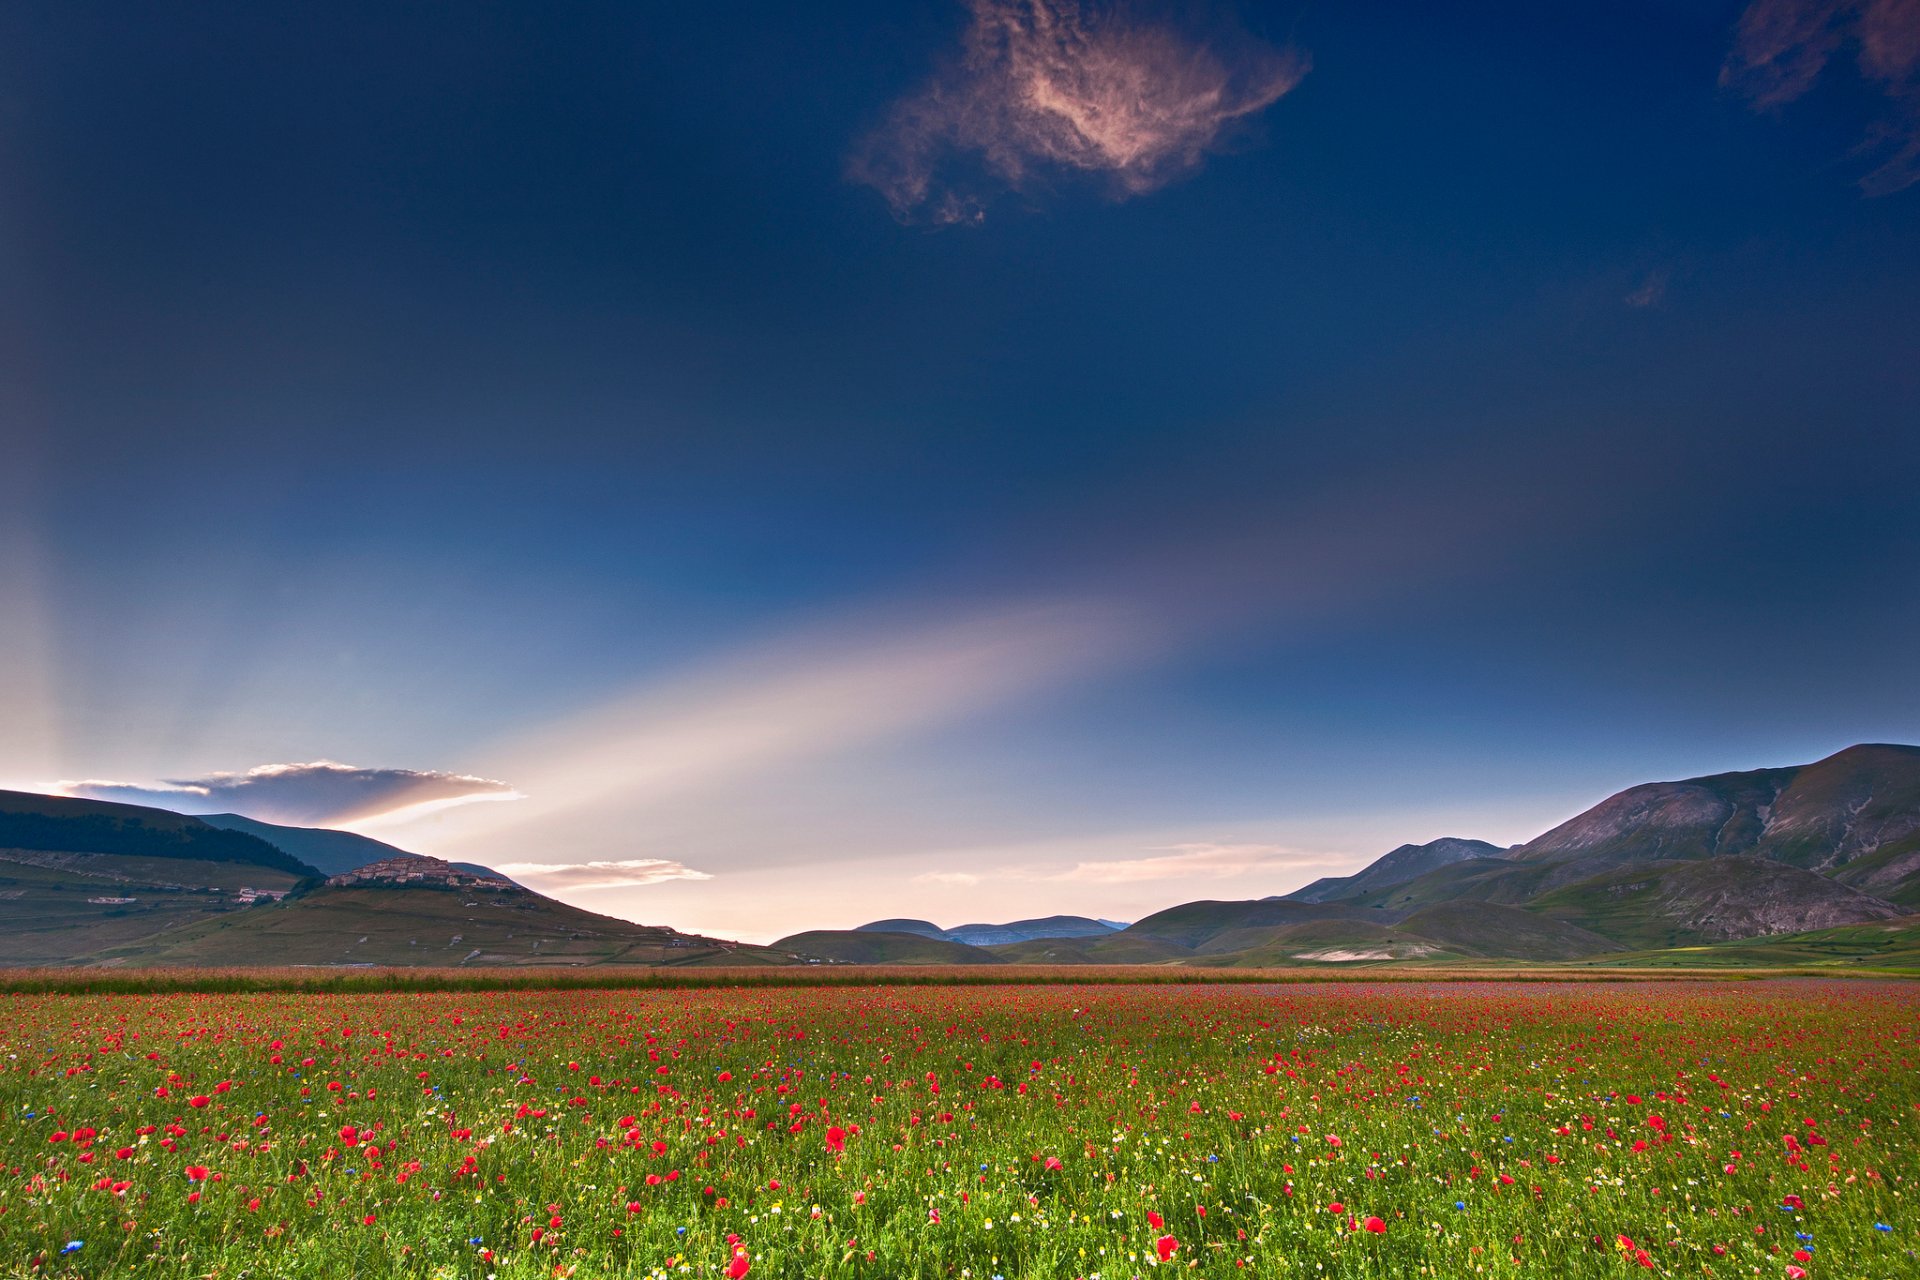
966, 1132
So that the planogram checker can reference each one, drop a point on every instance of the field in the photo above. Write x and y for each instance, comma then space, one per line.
978, 1131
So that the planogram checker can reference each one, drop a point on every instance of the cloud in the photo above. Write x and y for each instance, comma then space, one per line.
1051, 85
1651, 291
319, 793
600, 875
1781, 47
1191, 861
949, 879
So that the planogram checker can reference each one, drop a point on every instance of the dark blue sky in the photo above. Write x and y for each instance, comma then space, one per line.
1517, 402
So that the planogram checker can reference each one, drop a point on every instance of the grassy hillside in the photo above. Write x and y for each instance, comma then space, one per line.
1886, 944
1502, 932
1314, 942
55, 907
859, 946
426, 926
1191, 924
1111, 948
1672, 904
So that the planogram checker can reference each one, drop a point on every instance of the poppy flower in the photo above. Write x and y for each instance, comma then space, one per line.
1166, 1246
836, 1139
197, 1173
740, 1265
1374, 1225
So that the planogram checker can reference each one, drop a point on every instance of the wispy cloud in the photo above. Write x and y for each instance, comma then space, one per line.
1054, 85
600, 875
318, 793
1650, 292
1781, 47
950, 879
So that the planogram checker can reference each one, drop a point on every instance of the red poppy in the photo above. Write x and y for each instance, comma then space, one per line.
836, 1139
740, 1264
1167, 1247
1374, 1225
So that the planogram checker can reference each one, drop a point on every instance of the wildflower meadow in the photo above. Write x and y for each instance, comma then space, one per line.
985, 1133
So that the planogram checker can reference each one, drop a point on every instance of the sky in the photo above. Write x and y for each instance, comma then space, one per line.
761, 467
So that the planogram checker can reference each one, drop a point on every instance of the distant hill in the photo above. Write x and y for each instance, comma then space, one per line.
358, 925
1191, 924
869, 946
331, 851
923, 928
1406, 863
64, 824
989, 935
96, 882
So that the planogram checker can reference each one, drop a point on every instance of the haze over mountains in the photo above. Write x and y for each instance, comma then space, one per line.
1827, 853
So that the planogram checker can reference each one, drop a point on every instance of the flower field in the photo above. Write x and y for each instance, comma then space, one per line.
1344, 1129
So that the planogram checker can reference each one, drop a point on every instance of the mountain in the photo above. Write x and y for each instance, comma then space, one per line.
1699, 862
989, 935
1823, 816
331, 851
1408, 862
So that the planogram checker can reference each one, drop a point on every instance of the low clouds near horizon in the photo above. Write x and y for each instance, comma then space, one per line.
320, 793
1202, 860
1782, 47
1046, 86
625, 874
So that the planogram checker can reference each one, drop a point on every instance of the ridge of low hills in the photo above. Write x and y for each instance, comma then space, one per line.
871, 946
427, 925
1192, 923
989, 935
1112, 948
923, 928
